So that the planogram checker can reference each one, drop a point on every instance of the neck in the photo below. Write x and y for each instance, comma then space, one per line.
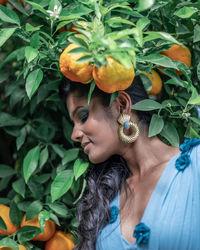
146, 153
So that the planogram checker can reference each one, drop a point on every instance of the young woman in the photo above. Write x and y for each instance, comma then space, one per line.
141, 193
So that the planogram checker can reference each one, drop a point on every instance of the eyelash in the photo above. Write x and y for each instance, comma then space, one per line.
83, 116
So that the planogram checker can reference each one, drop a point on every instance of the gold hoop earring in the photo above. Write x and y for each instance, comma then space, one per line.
126, 123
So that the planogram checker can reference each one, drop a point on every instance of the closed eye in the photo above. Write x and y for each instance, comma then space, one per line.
83, 115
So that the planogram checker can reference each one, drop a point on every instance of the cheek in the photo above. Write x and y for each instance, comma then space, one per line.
104, 147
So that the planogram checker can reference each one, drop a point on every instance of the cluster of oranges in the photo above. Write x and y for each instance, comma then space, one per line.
115, 76
109, 79
55, 239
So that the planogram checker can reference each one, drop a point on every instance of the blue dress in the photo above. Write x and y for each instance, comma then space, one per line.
171, 220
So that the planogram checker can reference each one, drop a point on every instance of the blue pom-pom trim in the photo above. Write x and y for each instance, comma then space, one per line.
114, 211
184, 159
141, 233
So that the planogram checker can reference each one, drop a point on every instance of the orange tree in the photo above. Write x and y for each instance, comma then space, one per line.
42, 172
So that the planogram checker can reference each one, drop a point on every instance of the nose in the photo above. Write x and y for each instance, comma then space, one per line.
76, 134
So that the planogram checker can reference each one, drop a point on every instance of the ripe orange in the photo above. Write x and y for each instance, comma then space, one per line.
75, 71
4, 213
61, 30
3, 1
9, 248
114, 76
49, 228
22, 3
72, 28
60, 241
156, 82
178, 53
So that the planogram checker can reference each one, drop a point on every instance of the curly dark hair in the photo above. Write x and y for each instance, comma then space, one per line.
103, 179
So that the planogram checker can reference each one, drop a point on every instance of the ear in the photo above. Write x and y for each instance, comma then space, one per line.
123, 102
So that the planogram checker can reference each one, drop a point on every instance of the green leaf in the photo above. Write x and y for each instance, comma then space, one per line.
9, 120
43, 217
9, 16
123, 58
158, 60
58, 149
5, 34
8, 242
198, 71
30, 53
3, 76
185, 12
6, 170
19, 6
114, 95
146, 82
156, 125
33, 81
193, 133
170, 133
62, 24
195, 120
60, 209
27, 233
61, 184
82, 190
92, 87
70, 155
152, 35
145, 4
21, 138
31, 28
80, 167
195, 97
67, 130
142, 23
3, 224
78, 50
15, 214
120, 34
196, 37
42, 178
33, 210
78, 41
30, 162
43, 157
18, 53
84, 59
38, 7
19, 187
114, 20
147, 105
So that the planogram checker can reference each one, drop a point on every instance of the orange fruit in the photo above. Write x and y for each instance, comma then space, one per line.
3, 1
75, 71
178, 53
156, 82
61, 30
60, 241
4, 213
9, 248
49, 229
114, 76
72, 28
21, 1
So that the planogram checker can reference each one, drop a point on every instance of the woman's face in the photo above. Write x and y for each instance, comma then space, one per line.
94, 128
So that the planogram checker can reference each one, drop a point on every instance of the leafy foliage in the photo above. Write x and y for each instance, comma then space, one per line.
43, 166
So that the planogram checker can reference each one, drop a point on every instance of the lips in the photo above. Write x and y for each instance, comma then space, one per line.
85, 146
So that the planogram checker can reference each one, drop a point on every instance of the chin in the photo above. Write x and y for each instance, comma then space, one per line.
96, 159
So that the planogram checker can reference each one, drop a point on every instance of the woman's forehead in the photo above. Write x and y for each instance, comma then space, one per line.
73, 100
